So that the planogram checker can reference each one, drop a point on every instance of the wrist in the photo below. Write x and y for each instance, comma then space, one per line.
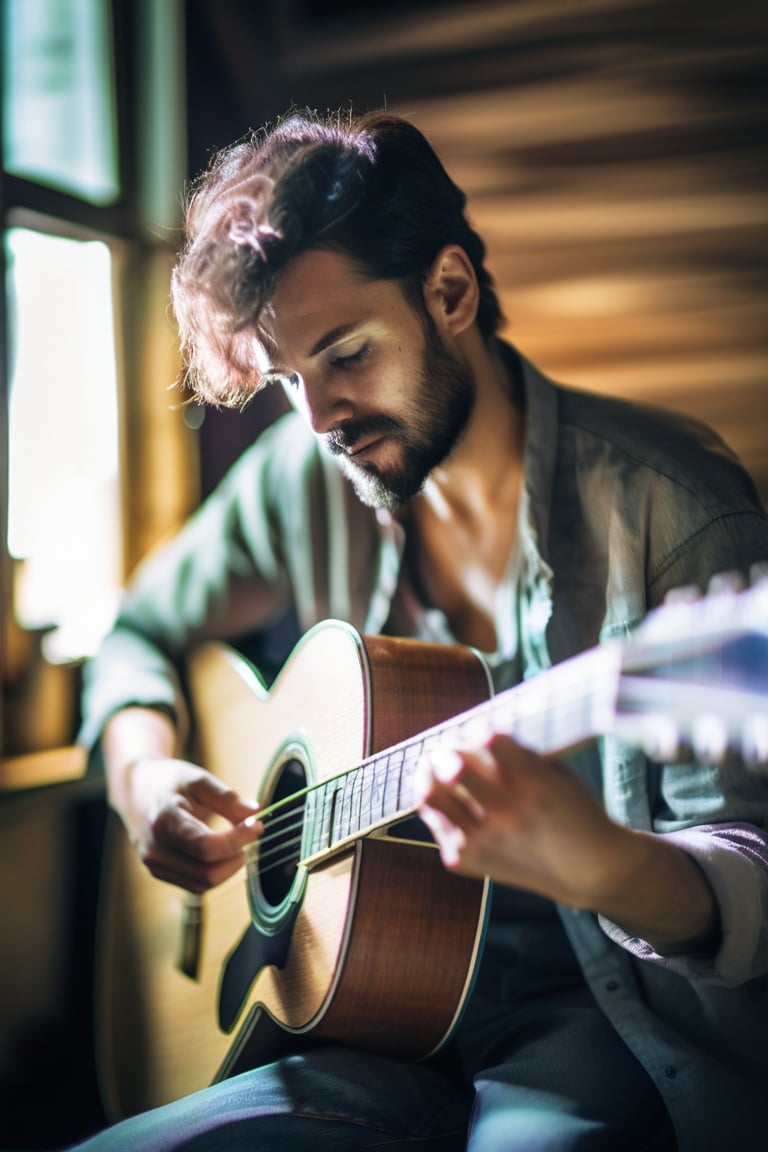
131, 736
657, 892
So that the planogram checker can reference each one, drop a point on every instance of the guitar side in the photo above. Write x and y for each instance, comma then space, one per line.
384, 942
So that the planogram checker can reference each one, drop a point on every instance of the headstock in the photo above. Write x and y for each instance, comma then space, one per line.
695, 676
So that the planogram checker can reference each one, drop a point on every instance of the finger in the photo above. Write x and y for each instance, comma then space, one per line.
181, 830
506, 750
216, 796
222, 842
518, 764
479, 782
449, 785
185, 872
491, 773
456, 805
448, 836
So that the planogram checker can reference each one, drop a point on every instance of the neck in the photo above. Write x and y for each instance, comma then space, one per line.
484, 470
464, 522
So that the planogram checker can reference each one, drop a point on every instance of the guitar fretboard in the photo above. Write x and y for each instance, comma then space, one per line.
572, 704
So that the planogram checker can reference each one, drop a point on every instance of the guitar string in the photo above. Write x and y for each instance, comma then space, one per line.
278, 830
557, 685
525, 715
415, 746
367, 794
287, 848
291, 847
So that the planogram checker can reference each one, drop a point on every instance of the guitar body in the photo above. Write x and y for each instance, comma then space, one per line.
343, 927
370, 943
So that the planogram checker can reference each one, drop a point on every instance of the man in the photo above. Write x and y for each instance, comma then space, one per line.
433, 484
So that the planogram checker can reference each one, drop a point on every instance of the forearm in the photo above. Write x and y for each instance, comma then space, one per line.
657, 892
131, 735
528, 821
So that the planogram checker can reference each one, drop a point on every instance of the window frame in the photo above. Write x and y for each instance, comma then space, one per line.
128, 224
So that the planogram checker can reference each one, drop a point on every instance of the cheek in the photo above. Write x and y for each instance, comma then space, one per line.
402, 381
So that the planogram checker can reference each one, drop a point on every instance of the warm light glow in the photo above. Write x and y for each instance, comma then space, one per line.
64, 516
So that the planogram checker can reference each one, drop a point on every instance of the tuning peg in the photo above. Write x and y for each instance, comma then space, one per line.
709, 738
759, 572
726, 584
685, 594
754, 741
661, 739
671, 618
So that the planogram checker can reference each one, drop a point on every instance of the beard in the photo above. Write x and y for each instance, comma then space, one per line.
439, 412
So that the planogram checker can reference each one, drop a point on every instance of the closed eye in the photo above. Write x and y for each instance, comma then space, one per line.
350, 361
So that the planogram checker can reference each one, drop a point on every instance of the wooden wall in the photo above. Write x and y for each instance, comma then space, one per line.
613, 151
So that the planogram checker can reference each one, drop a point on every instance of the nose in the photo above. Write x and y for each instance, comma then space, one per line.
322, 404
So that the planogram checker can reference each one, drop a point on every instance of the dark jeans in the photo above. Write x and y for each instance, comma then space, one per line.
561, 1079
535, 1066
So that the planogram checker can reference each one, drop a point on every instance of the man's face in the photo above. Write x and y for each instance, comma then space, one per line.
376, 382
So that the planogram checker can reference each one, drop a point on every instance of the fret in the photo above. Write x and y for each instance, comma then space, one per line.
549, 716
348, 794
354, 779
392, 784
323, 829
356, 807
309, 830
364, 807
329, 812
340, 826
412, 754
381, 768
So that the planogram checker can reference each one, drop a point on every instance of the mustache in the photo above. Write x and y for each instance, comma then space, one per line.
342, 440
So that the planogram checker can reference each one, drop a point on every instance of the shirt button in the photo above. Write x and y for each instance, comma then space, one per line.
611, 985
670, 1071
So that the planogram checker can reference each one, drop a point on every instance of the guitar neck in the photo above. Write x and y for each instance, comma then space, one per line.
571, 704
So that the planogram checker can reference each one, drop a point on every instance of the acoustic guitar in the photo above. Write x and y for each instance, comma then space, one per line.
343, 925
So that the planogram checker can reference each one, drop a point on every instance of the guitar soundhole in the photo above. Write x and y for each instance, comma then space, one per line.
280, 849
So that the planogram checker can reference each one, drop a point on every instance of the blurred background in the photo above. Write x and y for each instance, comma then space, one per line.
614, 155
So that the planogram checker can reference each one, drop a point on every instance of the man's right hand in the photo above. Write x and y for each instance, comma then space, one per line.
169, 810
187, 826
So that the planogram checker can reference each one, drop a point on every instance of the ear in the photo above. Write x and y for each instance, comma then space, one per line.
451, 290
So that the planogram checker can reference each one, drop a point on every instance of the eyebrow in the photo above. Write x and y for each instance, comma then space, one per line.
332, 337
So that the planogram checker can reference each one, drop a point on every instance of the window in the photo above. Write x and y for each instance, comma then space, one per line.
59, 99
64, 502
93, 163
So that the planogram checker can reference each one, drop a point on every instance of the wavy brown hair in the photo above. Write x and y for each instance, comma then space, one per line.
369, 186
